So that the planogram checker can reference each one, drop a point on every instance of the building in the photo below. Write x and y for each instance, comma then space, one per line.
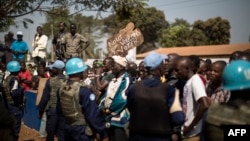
214, 52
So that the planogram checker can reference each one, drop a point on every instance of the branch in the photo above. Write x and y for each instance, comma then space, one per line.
26, 13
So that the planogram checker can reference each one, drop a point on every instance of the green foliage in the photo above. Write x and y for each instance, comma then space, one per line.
175, 36
214, 31
11, 9
217, 30
53, 18
149, 20
88, 26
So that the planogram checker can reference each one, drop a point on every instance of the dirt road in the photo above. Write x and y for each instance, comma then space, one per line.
28, 134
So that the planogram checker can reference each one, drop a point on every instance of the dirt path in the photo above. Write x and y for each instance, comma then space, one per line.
28, 134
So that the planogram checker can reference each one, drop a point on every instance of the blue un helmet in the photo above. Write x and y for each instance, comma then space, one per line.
13, 66
75, 65
236, 75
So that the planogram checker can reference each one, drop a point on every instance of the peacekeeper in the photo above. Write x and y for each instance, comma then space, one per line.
13, 96
154, 106
49, 98
77, 104
236, 79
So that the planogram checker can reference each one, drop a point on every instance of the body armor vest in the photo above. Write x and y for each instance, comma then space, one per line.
55, 84
149, 111
17, 101
224, 114
71, 108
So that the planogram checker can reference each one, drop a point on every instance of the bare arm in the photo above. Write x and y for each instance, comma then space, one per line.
100, 85
204, 105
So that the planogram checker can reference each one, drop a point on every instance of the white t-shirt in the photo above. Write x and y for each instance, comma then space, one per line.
39, 45
193, 90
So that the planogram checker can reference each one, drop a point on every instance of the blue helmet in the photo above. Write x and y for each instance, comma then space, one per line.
236, 75
75, 65
13, 66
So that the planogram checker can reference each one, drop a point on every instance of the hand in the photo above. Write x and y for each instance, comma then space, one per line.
186, 129
98, 71
22, 79
105, 112
105, 139
174, 137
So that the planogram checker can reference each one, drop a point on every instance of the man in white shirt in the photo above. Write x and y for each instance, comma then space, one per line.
195, 100
39, 45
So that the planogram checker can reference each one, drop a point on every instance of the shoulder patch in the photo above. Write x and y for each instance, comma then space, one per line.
92, 97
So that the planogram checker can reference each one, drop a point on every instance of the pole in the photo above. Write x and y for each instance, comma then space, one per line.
52, 47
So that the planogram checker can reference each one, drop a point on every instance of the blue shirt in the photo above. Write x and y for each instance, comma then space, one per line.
19, 46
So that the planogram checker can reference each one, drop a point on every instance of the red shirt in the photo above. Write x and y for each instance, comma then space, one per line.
27, 76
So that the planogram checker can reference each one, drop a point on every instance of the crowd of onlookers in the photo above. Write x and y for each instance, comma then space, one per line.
166, 97
128, 98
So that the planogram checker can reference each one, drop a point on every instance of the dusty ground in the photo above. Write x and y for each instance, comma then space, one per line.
28, 134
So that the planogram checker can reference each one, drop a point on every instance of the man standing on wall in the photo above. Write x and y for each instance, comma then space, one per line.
74, 43
58, 48
19, 48
39, 46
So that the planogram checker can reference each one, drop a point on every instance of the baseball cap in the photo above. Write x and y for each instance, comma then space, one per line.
19, 33
120, 60
57, 64
153, 60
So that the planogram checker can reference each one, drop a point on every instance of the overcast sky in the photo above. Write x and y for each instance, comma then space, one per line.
236, 11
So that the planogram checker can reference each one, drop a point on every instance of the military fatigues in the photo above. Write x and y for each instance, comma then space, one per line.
75, 45
59, 47
233, 113
48, 104
82, 117
14, 99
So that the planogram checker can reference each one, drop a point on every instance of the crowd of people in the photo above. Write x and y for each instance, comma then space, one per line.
166, 97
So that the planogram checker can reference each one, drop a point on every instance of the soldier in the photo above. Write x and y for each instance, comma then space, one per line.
235, 78
49, 98
13, 95
77, 104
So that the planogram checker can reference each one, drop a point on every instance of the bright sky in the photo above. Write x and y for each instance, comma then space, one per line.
236, 11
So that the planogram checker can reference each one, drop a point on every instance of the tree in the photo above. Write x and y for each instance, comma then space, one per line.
89, 26
149, 20
216, 30
180, 22
11, 9
211, 32
177, 34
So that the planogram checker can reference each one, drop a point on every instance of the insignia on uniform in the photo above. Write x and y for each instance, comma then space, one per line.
92, 97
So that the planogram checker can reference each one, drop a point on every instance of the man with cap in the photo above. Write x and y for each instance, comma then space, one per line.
77, 104
154, 106
49, 98
114, 101
19, 47
236, 79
